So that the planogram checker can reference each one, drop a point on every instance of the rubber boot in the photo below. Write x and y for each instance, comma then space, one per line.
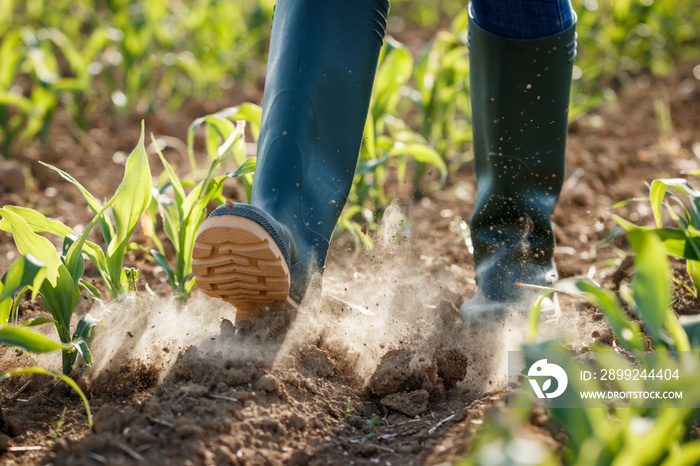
520, 99
321, 67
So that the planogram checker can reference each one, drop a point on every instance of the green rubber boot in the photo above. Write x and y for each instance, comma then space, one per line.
520, 100
323, 58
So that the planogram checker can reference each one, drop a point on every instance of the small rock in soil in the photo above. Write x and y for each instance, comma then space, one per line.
268, 383
391, 373
316, 360
108, 420
4, 442
411, 404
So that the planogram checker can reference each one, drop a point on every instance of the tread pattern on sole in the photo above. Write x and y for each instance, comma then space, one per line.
236, 260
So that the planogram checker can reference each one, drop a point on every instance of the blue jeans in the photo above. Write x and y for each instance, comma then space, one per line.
523, 19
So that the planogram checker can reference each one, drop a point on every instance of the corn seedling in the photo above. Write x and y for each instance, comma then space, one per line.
64, 270
441, 81
59, 424
633, 435
60, 288
183, 213
388, 140
684, 241
128, 203
24, 274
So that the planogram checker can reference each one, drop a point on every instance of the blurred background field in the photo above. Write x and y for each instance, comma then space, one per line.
148, 55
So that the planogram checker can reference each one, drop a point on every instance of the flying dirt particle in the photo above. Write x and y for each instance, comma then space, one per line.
411, 404
452, 365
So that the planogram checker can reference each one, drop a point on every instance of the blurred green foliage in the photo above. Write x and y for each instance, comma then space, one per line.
618, 434
141, 55
81, 54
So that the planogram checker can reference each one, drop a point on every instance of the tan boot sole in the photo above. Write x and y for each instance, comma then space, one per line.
236, 260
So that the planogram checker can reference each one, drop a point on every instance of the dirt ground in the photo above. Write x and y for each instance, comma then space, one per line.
381, 372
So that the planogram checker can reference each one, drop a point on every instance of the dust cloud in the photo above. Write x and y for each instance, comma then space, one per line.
378, 303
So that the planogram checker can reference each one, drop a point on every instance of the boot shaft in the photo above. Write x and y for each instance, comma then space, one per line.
520, 98
321, 67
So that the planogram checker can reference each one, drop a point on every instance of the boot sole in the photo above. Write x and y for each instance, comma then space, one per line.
236, 260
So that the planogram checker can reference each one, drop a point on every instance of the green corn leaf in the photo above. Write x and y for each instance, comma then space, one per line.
693, 269
94, 292
73, 258
217, 129
369, 146
219, 125
14, 100
658, 192
82, 349
245, 169
131, 199
656, 198
248, 112
687, 454
650, 447
105, 224
627, 332
651, 283
38, 321
421, 153
66, 379
681, 243
81, 337
691, 326
371, 165
680, 338
26, 270
96, 255
189, 286
38, 222
195, 211
78, 267
15, 306
60, 300
29, 340
163, 263
83, 330
172, 177
393, 73
29, 242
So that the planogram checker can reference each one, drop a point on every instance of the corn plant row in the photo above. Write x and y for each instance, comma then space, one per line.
641, 320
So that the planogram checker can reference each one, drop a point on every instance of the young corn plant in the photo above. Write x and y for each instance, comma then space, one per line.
441, 82
64, 270
182, 213
59, 289
26, 274
673, 196
633, 435
388, 141
131, 199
